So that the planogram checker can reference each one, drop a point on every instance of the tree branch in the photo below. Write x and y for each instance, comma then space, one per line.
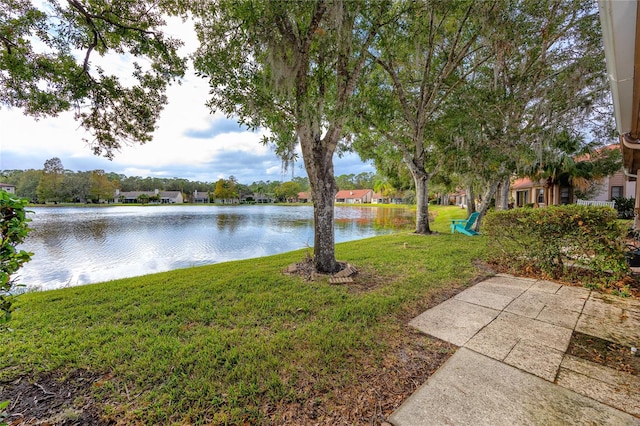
8, 43
399, 88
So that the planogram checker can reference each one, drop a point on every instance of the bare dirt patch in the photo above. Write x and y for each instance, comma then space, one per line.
356, 280
53, 399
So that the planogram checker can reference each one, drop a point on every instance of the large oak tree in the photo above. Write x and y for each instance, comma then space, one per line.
291, 67
286, 66
417, 63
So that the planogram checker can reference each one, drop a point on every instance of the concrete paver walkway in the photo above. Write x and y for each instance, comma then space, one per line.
512, 367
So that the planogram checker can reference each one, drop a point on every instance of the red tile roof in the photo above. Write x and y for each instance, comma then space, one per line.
353, 193
526, 183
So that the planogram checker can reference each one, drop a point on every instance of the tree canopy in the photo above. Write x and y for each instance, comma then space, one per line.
48, 65
546, 78
51, 181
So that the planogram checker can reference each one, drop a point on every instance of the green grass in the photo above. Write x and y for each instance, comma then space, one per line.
216, 344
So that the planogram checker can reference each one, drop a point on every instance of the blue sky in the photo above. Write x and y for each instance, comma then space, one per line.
189, 143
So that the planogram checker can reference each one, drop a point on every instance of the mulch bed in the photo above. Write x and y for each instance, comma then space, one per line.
604, 352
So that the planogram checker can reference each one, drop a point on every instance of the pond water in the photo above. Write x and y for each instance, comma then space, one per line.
83, 245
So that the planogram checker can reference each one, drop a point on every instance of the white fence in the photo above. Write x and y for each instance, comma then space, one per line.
611, 204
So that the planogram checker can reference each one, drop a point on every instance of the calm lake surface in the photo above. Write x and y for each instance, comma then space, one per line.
83, 245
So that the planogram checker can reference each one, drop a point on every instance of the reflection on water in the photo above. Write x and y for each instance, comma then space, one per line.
74, 246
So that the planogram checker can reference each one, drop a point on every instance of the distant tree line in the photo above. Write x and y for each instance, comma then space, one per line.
55, 184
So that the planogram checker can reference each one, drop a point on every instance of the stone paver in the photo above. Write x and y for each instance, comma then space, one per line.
495, 341
505, 286
529, 305
546, 286
500, 336
627, 304
536, 359
611, 318
550, 335
601, 383
559, 316
471, 389
560, 300
623, 332
454, 321
513, 369
571, 291
560, 308
480, 296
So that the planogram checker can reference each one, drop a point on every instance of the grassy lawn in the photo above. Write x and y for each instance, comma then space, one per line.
241, 341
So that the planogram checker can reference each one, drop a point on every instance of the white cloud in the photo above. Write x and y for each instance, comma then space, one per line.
135, 171
275, 170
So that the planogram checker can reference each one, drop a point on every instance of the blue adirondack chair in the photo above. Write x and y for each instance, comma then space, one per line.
465, 226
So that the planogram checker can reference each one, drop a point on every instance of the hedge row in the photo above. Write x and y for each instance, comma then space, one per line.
560, 241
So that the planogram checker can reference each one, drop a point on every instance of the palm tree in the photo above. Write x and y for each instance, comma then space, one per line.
383, 187
570, 164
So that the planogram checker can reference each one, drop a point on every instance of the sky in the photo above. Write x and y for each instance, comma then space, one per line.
189, 142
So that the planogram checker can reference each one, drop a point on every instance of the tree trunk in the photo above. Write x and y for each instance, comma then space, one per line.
323, 248
471, 202
486, 201
318, 161
549, 193
422, 201
502, 197
498, 196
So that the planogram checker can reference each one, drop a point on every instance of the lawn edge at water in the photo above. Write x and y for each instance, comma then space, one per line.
240, 341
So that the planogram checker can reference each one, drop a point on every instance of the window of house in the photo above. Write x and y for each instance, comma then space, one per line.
565, 195
540, 196
616, 191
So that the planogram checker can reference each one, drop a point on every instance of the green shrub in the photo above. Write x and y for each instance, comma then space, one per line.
560, 241
13, 230
624, 206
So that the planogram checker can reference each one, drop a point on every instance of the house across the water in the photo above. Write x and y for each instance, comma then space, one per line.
11, 189
152, 197
354, 196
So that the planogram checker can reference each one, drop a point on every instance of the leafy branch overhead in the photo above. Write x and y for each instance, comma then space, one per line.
473, 92
48, 65
417, 64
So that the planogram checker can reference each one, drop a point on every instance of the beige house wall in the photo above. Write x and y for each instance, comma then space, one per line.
607, 184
